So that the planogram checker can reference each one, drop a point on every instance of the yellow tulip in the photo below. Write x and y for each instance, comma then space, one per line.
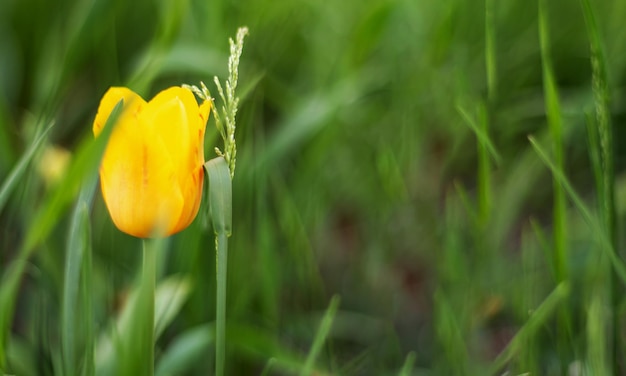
151, 172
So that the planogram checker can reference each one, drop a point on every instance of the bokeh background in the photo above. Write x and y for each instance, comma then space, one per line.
360, 132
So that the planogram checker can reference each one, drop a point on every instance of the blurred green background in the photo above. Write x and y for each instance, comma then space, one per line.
377, 162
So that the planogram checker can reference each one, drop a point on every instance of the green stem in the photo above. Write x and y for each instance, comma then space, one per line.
221, 247
559, 214
486, 116
484, 172
148, 285
87, 289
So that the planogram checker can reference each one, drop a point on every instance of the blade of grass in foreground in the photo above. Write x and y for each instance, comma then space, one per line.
85, 163
320, 337
14, 176
75, 314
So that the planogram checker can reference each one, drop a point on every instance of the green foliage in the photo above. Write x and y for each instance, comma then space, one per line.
452, 171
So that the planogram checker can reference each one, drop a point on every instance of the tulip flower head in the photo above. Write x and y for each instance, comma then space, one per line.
151, 172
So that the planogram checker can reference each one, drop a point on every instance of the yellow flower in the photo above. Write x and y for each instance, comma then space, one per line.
151, 172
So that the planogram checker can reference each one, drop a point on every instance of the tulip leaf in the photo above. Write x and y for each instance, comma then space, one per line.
185, 350
76, 318
220, 195
170, 296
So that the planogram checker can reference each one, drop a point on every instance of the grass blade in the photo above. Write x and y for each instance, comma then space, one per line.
600, 134
408, 365
555, 123
490, 50
16, 173
538, 318
485, 199
592, 221
220, 203
481, 134
320, 337
89, 363
74, 314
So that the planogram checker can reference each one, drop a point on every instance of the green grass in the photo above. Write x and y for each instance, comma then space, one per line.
452, 172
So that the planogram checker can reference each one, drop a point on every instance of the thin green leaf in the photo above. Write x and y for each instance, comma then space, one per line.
188, 347
555, 122
11, 182
481, 134
77, 261
490, 50
220, 195
85, 163
261, 345
170, 296
320, 337
606, 294
220, 204
535, 321
88, 366
268, 366
595, 154
407, 368
450, 333
591, 220
73, 315
544, 245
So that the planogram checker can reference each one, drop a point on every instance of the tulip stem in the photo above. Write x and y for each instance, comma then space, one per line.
148, 285
221, 245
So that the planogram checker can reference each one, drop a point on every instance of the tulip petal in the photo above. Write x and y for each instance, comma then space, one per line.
168, 115
132, 104
175, 116
192, 188
139, 181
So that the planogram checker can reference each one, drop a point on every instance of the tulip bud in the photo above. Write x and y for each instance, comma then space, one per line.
151, 172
